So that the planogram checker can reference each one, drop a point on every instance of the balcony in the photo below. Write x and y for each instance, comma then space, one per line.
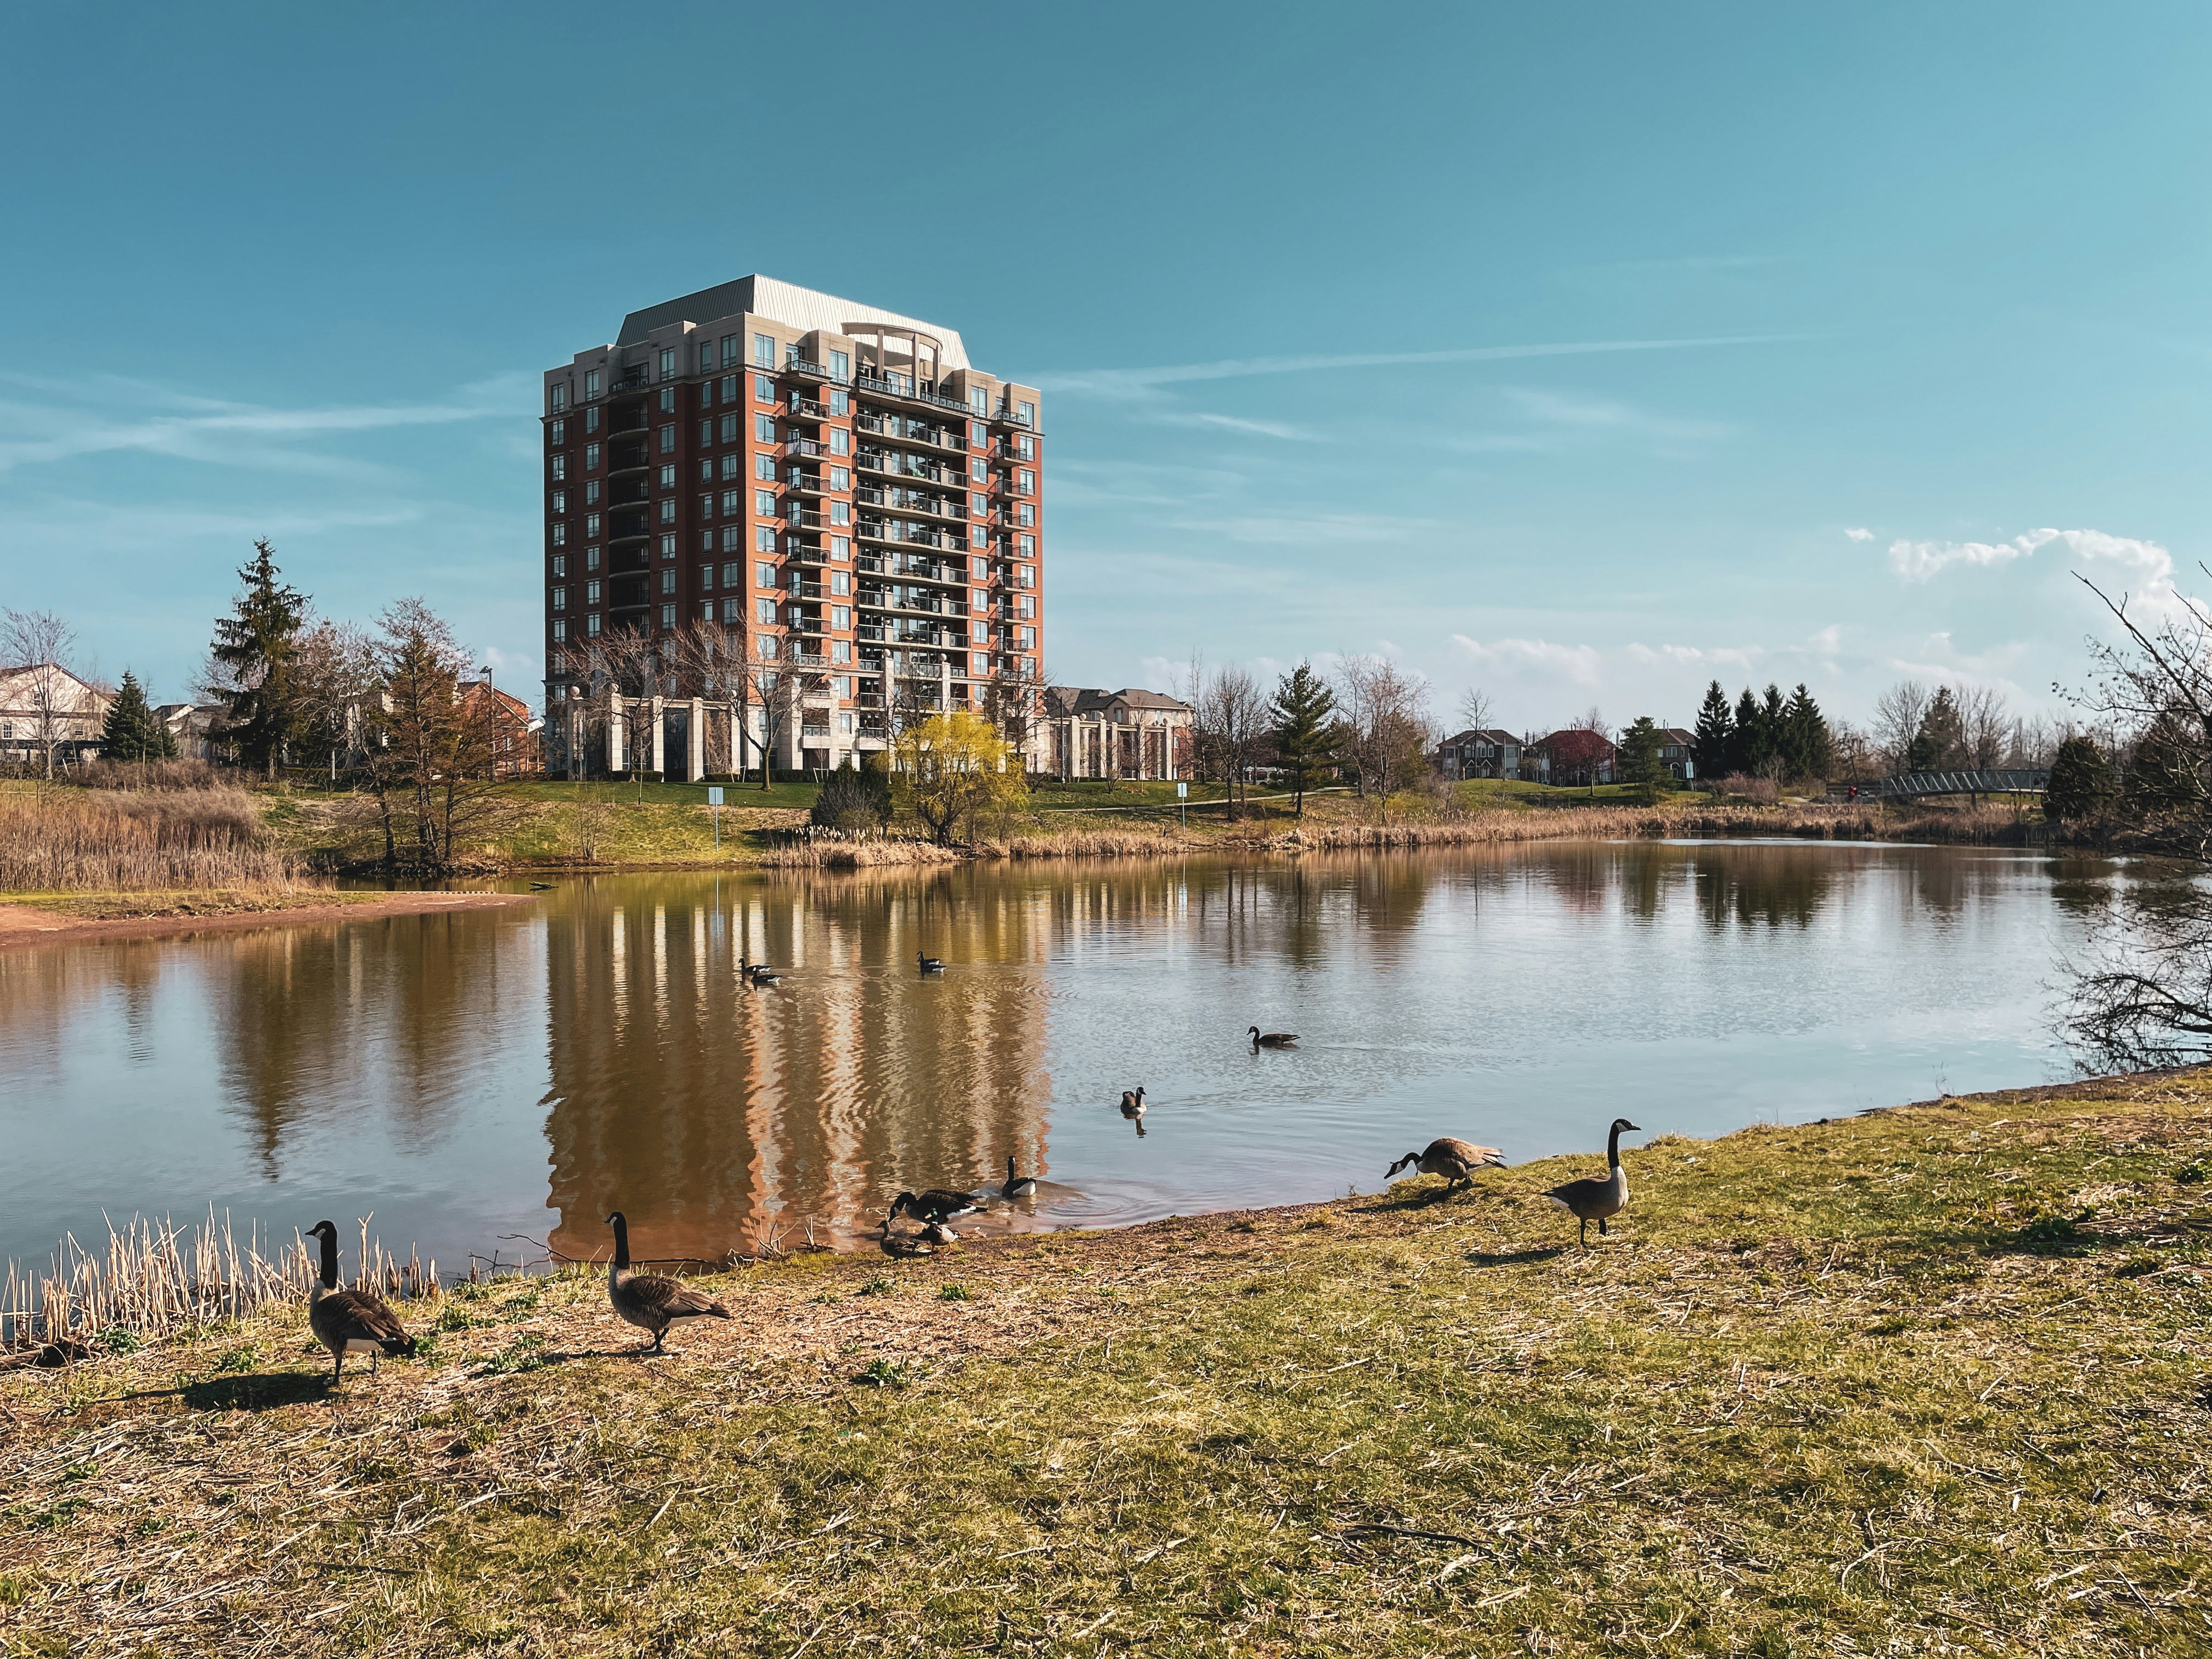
910, 391
806, 553
635, 380
805, 591
797, 408
798, 519
628, 526
800, 368
804, 483
630, 420
1006, 415
628, 458
804, 449
629, 492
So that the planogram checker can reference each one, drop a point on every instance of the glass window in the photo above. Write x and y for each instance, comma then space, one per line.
1026, 447
668, 542
706, 576
764, 609
591, 420
733, 465
734, 502
729, 428
706, 469
1026, 514
767, 642
841, 651
668, 616
764, 427
765, 537
730, 388
557, 434
591, 558
764, 575
733, 345
979, 502
838, 405
979, 472
558, 394
733, 610
668, 476
591, 492
668, 580
840, 512
764, 502
591, 457
840, 581
706, 356
668, 363
841, 615
841, 441
763, 389
668, 441
764, 350
668, 400
841, 365
840, 478
978, 434
1025, 413
978, 663
668, 510
590, 593
591, 524
560, 599
560, 564
559, 535
732, 574
764, 467
841, 547
1027, 545
592, 383
979, 399
732, 539
591, 624
560, 630
1026, 482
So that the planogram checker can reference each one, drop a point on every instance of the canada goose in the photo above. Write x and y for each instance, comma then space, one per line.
1274, 1039
928, 964
1453, 1157
351, 1322
648, 1301
1017, 1186
936, 1207
1132, 1103
757, 973
541, 886
1591, 1199
938, 1233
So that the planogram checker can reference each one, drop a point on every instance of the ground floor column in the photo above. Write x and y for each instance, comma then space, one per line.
659, 738
695, 742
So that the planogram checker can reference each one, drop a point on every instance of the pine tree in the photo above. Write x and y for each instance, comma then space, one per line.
1941, 737
1808, 745
2081, 781
1305, 743
1715, 733
1749, 742
132, 733
253, 648
1639, 752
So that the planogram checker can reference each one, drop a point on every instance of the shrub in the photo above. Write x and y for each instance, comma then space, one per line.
2081, 782
59, 841
854, 801
1750, 788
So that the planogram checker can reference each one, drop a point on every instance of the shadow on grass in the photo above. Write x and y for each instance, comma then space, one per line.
259, 1392
1513, 1258
1422, 1200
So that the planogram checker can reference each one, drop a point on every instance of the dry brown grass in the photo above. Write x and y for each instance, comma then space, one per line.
66, 840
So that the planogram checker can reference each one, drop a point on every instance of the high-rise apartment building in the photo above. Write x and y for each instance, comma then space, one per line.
833, 486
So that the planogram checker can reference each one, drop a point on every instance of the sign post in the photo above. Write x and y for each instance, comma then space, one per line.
715, 800
1182, 812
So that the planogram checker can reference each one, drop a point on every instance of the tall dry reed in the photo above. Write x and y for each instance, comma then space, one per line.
153, 1278
78, 841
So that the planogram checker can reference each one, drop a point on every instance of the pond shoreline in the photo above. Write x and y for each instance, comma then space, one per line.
27, 924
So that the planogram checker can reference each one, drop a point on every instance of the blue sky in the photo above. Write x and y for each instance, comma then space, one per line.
1579, 353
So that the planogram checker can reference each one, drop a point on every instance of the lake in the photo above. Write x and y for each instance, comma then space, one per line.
500, 1080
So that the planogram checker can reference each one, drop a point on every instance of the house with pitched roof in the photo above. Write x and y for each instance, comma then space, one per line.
1129, 733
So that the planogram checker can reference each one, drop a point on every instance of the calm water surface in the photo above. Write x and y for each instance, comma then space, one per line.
481, 1079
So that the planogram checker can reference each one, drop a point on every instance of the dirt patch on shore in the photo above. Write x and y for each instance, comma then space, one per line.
29, 925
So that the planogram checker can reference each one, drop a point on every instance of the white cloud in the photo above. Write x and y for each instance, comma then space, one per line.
1578, 663
1860, 535
2144, 563
1282, 429
1828, 641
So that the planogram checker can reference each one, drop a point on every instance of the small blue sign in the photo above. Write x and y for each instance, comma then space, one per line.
713, 794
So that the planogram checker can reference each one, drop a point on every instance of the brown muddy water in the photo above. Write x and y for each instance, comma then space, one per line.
500, 1080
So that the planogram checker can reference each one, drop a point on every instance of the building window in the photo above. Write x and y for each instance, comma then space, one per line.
668, 544
976, 536
840, 581
591, 492
729, 430
840, 512
560, 630
841, 547
560, 500
668, 476
841, 615
763, 576
706, 356
1025, 481
668, 363
591, 558
840, 365
733, 610
591, 457
668, 441
591, 525
560, 564
559, 468
668, 580
763, 539
733, 465
592, 384
560, 599
1026, 447
840, 478
557, 434
1024, 605
591, 420
841, 441
730, 388
978, 663
1025, 574
1025, 413
668, 510
668, 616
764, 502
1026, 514
980, 599
734, 502
558, 391
979, 399
559, 535
841, 651
732, 345
1027, 544
979, 471
732, 574
732, 539
764, 350
668, 400
838, 403
764, 388
980, 629
978, 434
978, 502
764, 609
591, 624
590, 593
764, 467
764, 427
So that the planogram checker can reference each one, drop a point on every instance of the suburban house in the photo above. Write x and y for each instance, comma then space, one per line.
42, 705
1577, 757
1115, 734
518, 751
1676, 748
1480, 753
193, 725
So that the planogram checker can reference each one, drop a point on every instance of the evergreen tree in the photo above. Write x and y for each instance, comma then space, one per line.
1807, 744
1941, 739
132, 731
1750, 744
1639, 752
253, 652
1304, 710
1715, 733
2081, 782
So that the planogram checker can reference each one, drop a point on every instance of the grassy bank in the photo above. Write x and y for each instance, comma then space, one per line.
1923, 1381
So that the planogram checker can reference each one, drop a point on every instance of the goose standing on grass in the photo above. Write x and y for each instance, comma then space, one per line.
1591, 1199
928, 965
351, 1322
1017, 1186
647, 1300
1274, 1039
1456, 1160
933, 1208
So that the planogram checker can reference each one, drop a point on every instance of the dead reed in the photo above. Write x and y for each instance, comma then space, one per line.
154, 1279
75, 841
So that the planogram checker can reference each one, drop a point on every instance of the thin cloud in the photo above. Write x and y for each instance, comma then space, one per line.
2145, 562
1136, 382
1858, 535
1281, 429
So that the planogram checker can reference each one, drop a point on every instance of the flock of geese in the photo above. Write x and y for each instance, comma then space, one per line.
358, 1321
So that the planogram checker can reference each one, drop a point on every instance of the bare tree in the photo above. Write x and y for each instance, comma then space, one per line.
1475, 710
1897, 716
35, 645
428, 756
627, 663
1987, 722
334, 671
1232, 713
1855, 760
1014, 702
1386, 714
1591, 721
709, 661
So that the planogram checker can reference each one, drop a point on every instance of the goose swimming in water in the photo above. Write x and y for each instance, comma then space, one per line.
1450, 1156
928, 964
1133, 1102
649, 1301
351, 1322
757, 973
1591, 1199
1017, 1186
1274, 1039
